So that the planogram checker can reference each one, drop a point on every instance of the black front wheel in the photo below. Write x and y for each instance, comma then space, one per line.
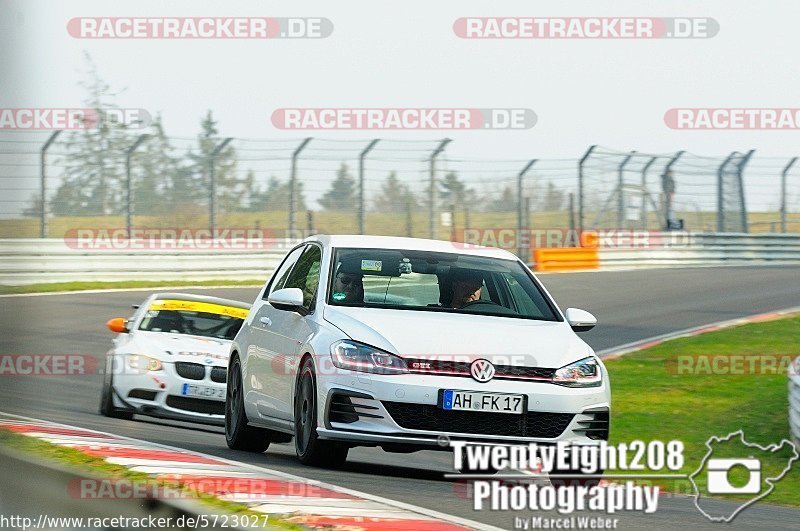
107, 407
310, 449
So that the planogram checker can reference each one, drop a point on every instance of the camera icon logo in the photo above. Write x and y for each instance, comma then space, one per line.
719, 476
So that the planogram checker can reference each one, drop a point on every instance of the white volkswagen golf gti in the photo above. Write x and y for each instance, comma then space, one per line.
405, 344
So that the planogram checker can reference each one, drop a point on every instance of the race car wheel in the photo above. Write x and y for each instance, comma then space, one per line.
310, 449
238, 434
107, 407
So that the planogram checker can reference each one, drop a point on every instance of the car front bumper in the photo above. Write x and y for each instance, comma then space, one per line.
404, 409
160, 394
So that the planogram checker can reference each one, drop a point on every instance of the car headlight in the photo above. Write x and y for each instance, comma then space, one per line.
582, 373
141, 363
359, 357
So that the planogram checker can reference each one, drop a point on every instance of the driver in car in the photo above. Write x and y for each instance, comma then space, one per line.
349, 286
466, 285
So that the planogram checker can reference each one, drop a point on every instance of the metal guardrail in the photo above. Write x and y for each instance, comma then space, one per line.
32, 261
704, 249
794, 402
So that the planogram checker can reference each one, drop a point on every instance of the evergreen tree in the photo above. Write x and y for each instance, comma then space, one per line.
506, 202
155, 170
342, 194
276, 197
553, 198
94, 176
453, 193
395, 196
230, 189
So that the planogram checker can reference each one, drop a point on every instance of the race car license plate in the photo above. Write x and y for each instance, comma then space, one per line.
479, 401
203, 391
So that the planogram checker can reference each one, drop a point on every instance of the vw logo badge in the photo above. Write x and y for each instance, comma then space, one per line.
481, 370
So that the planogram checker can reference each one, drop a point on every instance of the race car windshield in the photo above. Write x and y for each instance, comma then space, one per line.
190, 322
437, 282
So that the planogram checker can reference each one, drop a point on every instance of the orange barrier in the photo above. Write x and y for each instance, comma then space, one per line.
566, 258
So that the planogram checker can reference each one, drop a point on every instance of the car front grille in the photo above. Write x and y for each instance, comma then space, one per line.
461, 368
432, 418
343, 410
190, 371
196, 405
219, 374
595, 427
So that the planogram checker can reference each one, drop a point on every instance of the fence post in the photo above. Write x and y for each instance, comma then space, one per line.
43, 184
310, 222
521, 206
645, 191
784, 173
212, 189
129, 206
293, 187
572, 211
361, 205
433, 225
621, 189
740, 177
581, 184
721, 192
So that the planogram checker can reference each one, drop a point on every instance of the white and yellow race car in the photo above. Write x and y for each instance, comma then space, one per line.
170, 358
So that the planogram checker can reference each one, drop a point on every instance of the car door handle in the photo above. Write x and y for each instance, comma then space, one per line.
265, 321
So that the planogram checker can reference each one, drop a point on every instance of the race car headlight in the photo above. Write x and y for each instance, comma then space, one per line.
582, 373
141, 363
359, 357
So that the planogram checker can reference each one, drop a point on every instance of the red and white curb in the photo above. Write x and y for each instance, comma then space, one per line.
306, 502
621, 350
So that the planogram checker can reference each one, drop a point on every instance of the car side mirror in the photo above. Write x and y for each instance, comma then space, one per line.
580, 320
290, 299
118, 325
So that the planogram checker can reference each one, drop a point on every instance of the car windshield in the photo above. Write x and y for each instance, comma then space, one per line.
194, 318
435, 281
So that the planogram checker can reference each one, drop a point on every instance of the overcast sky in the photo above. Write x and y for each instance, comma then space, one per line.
405, 54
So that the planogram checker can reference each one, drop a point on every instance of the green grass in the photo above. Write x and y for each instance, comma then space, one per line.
650, 401
130, 284
99, 467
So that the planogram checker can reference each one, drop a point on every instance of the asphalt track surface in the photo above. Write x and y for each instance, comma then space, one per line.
630, 306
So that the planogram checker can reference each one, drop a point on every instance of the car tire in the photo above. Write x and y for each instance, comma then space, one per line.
238, 434
107, 407
311, 450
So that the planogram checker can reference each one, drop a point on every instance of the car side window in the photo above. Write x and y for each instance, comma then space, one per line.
522, 301
305, 275
280, 276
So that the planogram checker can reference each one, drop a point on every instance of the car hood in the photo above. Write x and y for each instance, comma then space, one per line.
452, 336
179, 347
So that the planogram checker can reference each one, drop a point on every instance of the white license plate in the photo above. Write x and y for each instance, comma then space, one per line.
203, 391
480, 401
